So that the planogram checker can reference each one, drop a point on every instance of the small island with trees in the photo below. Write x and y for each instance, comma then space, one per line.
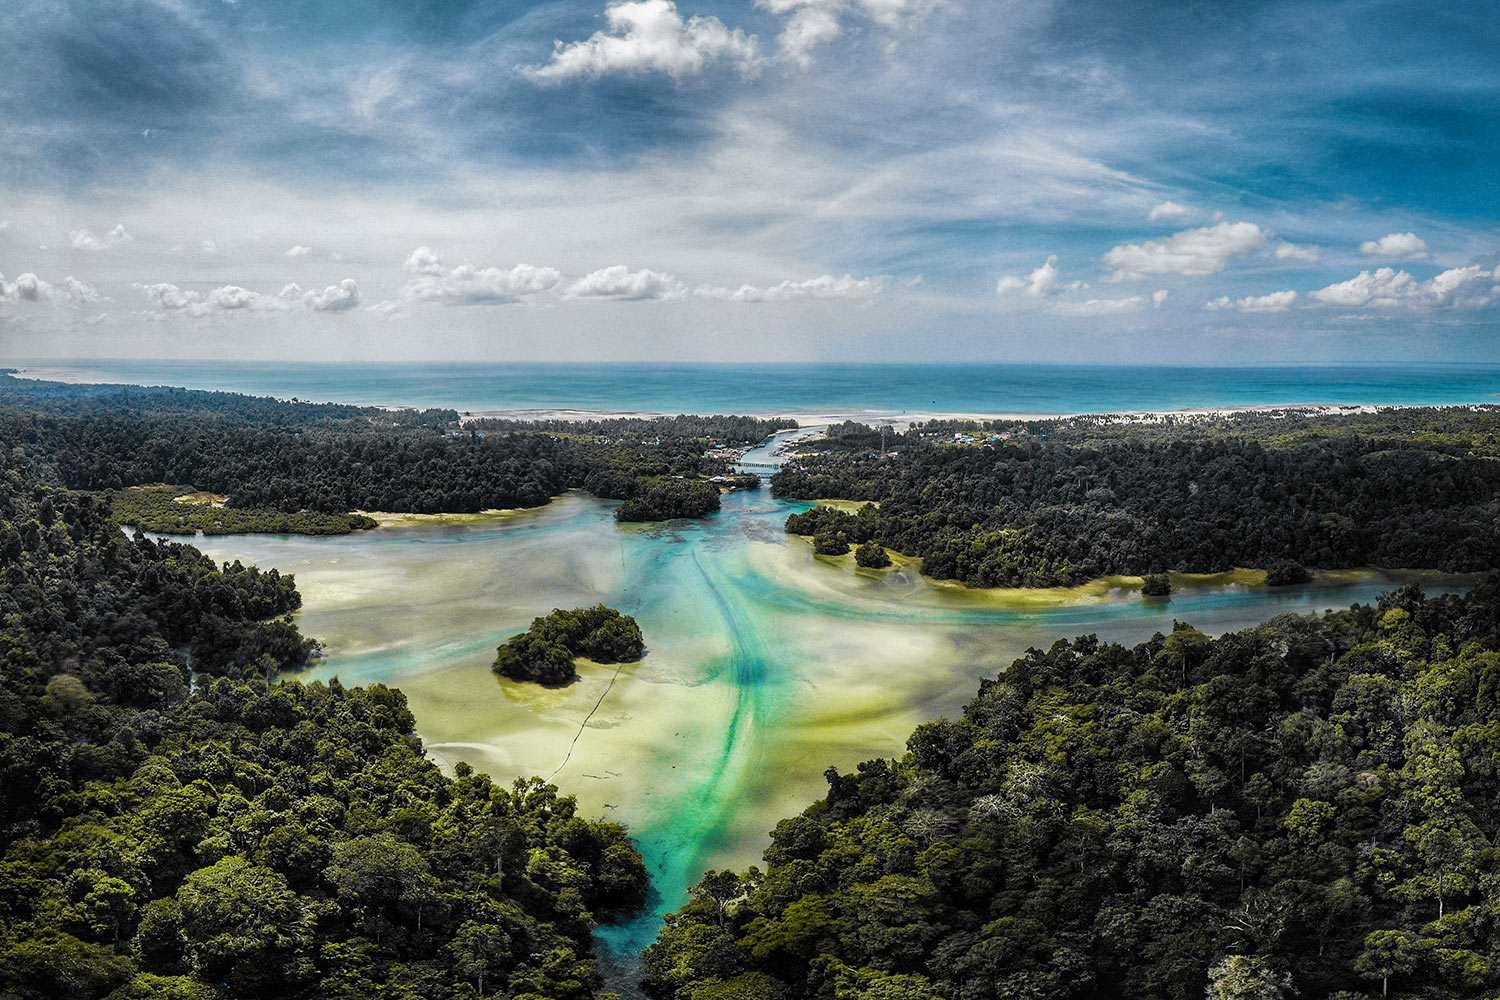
544, 653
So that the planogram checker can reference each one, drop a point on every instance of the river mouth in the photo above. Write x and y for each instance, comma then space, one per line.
765, 664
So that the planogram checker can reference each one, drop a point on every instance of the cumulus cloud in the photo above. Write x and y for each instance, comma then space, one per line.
467, 285
1409, 246
1191, 252
299, 251
1272, 302
29, 288
80, 292
1038, 284
26, 288
170, 298
83, 239
333, 298
1159, 298
423, 260
651, 36
1167, 210
814, 23
1388, 288
1293, 251
825, 287
619, 282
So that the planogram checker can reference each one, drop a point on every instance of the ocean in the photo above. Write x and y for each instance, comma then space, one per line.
812, 392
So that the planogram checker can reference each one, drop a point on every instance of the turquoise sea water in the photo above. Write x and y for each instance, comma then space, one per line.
838, 390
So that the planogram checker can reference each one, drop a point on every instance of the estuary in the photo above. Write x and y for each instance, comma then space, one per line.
765, 664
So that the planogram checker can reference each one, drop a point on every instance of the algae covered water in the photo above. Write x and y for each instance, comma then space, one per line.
765, 664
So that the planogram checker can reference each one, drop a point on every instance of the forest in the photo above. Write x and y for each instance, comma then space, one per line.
175, 825
1307, 808
273, 457
663, 499
1052, 503
157, 509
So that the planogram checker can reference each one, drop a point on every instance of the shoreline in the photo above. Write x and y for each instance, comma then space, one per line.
811, 418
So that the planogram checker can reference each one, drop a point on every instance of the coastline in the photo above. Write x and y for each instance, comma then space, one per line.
807, 418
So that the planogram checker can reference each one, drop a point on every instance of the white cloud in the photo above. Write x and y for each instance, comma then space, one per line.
466, 284
334, 298
299, 251
619, 282
1039, 283
1406, 245
83, 239
29, 288
1167, 210
80, 292
814, 23
1102, 307
1294, 251
1193, 251
1271, 302
647, 36
1388, 288
825, 287
1159, 298
26, 288
810, 27
170, 298
208, 248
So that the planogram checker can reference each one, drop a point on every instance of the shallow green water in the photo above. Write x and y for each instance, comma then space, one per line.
765, 664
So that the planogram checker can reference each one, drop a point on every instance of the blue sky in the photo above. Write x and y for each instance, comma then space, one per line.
780, 179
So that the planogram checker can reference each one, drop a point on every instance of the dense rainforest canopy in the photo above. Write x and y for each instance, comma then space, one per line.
1307, 808
273, 457
174, 826
1058, 502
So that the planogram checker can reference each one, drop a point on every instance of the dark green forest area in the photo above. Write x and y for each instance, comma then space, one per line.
273, 457
1306, 808
174, 826
156, 509
1058, 502
545, 652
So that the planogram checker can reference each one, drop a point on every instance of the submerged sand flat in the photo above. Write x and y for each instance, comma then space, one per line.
766, 664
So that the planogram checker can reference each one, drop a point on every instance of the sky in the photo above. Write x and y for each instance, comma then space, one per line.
877, 180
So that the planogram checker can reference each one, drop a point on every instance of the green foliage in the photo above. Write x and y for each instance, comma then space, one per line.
1156, 585
663, 499
872, 555
545, 652
1052, 503
155, 509
170, 821
831, 543
1305, 808
1285, 572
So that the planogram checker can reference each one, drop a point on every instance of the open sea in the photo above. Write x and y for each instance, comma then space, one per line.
819, 391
